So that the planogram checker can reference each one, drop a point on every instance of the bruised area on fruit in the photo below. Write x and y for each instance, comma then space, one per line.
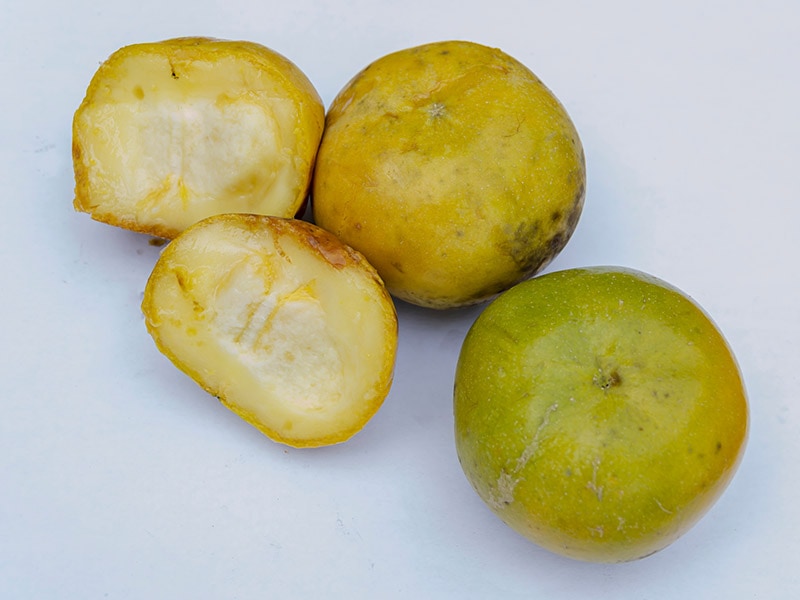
598, 412
453, 169
172, 132
533, 245
288, 327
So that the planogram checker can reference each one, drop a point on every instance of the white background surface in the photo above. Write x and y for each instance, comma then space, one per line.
119, 478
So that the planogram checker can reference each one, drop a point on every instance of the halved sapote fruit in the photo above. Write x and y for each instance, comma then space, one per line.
290, 328
174, 131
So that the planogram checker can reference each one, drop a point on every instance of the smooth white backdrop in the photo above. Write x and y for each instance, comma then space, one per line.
120, 479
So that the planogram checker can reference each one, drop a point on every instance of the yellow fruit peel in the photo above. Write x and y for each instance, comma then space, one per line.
453, 169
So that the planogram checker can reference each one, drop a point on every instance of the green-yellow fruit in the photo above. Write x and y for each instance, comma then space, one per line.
598, 412
453, 169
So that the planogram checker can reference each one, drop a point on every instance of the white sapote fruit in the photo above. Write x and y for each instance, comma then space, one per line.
453, 169
174, 131
290, 328
598, 412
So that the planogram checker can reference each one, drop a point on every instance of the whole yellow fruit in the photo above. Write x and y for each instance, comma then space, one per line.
453, 169
288, 327
172, 132
598, 412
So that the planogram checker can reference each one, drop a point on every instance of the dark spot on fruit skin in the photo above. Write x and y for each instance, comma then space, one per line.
398, 266
522, 246
718, 448
607, 380
577, 208
557, 243
530, 252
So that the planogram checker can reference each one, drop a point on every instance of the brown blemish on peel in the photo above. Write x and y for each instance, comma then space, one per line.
334, 253
327, 246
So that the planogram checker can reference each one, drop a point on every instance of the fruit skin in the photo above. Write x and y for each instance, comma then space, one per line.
453, 169
598, 412
289, 328
171, 132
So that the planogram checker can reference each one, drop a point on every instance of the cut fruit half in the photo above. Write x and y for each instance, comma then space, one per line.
290, 328
175, 131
